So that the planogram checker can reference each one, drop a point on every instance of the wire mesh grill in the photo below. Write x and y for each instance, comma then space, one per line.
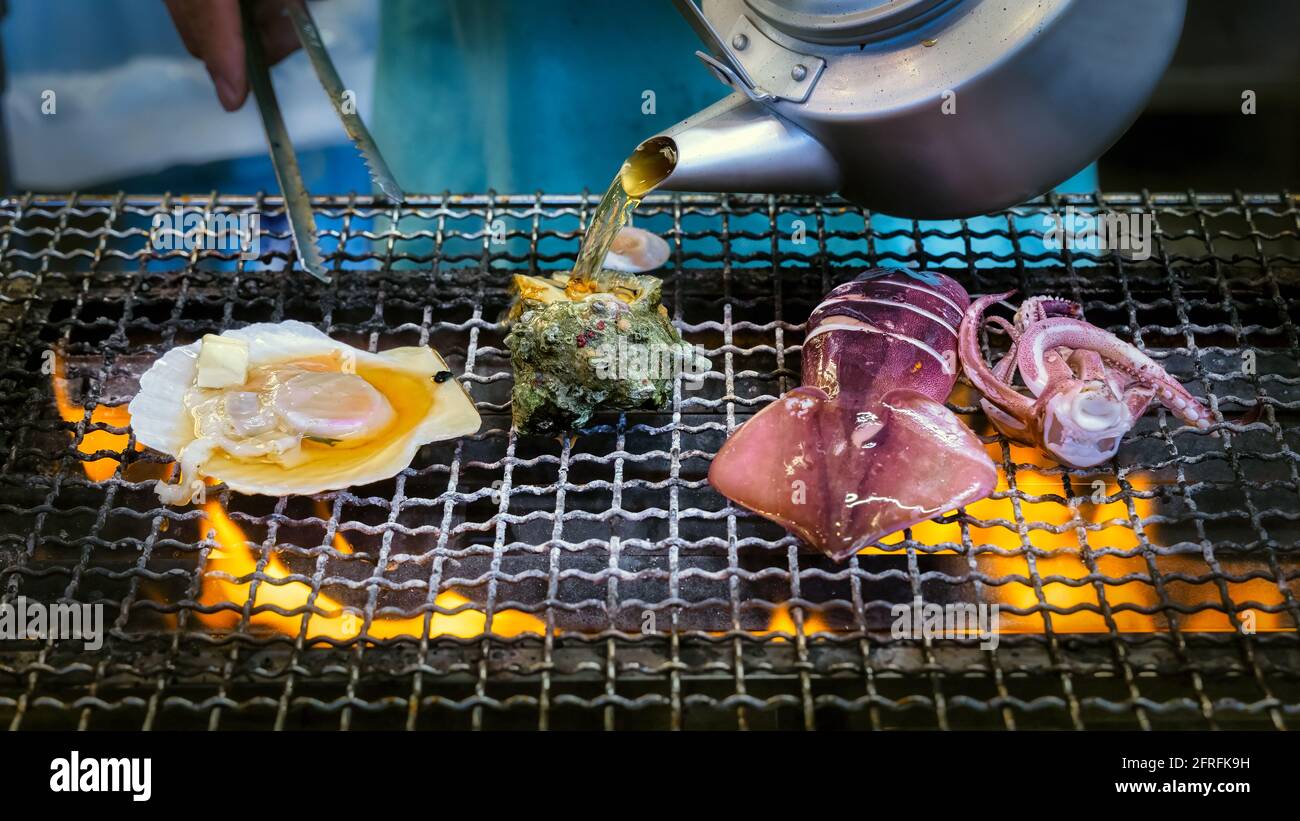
597, 580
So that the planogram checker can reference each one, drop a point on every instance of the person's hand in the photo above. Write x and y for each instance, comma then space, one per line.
212, 32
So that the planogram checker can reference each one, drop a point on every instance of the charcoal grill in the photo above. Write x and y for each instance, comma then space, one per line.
596, 580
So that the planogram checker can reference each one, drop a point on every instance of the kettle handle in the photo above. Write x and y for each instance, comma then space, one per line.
721, 59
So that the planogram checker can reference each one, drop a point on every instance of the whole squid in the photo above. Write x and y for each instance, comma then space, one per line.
865, 446
1087, 386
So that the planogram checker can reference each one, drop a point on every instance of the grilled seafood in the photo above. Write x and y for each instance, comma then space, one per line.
578, 347
866, 446
281, 408
1087, 386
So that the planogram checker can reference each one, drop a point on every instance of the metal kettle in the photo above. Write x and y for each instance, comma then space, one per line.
929, 109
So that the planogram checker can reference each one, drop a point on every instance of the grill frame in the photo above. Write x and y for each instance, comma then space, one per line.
66, 259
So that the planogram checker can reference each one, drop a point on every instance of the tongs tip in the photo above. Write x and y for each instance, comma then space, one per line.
309, 257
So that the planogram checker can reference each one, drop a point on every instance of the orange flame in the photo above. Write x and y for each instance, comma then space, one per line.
97, 470
1057, 558
783, 622
228, 578
341, 544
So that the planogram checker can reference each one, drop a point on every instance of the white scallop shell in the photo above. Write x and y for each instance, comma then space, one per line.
636, 251
161, 421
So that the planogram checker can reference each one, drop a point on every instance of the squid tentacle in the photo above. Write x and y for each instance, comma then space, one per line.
1061, 331
985, 380
1007, 327
1136, 398
1005, 369
1010, 426
1038, 308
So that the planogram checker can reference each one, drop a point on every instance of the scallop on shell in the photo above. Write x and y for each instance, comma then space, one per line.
417, 405
635, 251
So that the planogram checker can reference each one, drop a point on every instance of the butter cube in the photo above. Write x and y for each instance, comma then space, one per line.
223, 362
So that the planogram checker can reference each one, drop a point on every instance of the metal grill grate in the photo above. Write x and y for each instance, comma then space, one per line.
616, 588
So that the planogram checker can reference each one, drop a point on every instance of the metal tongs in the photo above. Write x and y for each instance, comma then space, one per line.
297, 200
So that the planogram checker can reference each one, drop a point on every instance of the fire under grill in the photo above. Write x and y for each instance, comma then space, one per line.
597, 580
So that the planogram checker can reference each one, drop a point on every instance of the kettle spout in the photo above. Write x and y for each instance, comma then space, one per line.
737, 145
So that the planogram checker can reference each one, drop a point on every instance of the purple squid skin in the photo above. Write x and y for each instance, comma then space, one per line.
865, 446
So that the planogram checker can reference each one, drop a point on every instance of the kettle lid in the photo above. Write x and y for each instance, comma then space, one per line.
842, 22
